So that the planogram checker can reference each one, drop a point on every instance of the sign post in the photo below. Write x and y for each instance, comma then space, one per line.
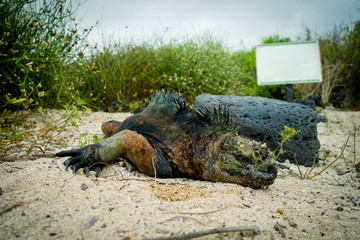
289, 92
288, 63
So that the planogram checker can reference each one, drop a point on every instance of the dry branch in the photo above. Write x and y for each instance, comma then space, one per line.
253, 229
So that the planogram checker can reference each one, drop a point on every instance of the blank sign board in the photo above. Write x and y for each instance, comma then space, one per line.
288, 63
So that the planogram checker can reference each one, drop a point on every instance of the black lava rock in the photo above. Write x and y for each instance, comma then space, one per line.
262, 119
310, 102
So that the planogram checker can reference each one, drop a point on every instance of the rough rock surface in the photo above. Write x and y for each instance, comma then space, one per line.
262, 119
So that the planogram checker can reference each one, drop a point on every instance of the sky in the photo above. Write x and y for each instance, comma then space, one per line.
239, 24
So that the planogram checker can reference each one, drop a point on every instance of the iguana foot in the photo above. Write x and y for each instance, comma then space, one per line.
86, 157
126, 143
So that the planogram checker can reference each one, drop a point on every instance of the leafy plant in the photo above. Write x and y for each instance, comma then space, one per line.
84, 142
95, 138
286, 135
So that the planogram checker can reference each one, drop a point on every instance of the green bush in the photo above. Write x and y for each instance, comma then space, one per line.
37, 39
340, 60
196, 67
116, 72
352, 71
133, 72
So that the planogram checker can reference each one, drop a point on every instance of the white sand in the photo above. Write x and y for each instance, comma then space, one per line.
40, 200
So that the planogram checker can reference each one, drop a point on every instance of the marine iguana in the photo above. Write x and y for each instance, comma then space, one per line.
169, 139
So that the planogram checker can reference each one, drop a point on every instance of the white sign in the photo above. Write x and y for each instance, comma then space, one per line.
288, 63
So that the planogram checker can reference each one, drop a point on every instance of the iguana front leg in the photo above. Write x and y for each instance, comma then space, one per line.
128, 144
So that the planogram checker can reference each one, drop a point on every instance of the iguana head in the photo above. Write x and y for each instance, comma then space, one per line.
243, 161
232, 158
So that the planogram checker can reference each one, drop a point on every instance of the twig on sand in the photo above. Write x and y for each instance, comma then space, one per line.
213, 211
341, 154
253, 229
181, 217
62, 186
280, 229
12, 207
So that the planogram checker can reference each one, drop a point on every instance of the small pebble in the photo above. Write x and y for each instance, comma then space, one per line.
293, 224
280, 211
342, 170
239, 205
339, 208
8, 169
357, 167
90, 223
312, 201
285, 192
84, 186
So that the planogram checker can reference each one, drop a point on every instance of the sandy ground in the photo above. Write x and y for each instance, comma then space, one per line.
40, 200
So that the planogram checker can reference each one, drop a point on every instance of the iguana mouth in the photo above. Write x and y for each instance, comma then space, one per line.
246, 162
255, 178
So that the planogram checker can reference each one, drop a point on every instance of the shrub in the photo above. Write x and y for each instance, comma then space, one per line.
196, 67
133, 72
340, 59
37, 39
352, 68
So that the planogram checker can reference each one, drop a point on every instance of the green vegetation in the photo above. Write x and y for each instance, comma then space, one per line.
289, 133
307, 174
133, 72
46, 62
340, 59
286, 135
18, 133
38, 40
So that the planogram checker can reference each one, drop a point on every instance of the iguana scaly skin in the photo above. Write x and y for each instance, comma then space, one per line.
171, 140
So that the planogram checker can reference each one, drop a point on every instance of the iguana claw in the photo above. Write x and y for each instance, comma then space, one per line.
86, 171
81, 158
